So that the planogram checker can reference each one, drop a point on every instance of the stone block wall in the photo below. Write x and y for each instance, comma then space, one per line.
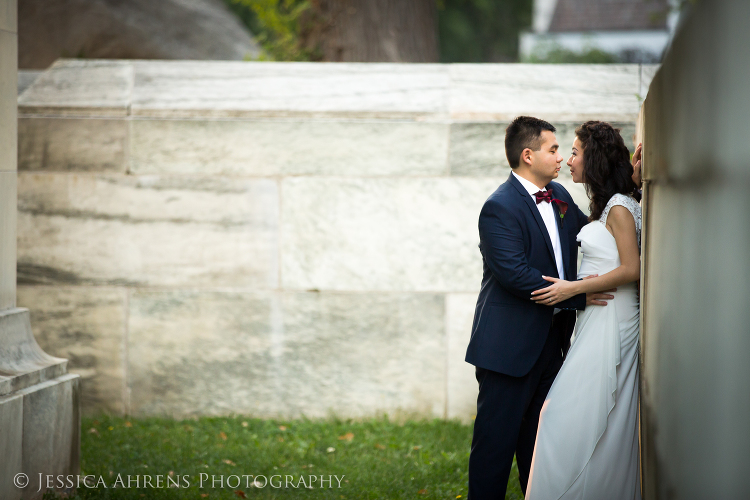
275, 239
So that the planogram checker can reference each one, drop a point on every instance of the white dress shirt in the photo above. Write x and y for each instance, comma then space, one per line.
548, 216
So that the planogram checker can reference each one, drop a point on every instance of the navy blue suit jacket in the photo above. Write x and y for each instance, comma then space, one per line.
509, 329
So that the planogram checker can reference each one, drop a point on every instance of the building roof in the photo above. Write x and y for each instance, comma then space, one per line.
608, 15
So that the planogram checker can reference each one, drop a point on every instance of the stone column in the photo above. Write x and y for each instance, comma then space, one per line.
695, 338
39, 418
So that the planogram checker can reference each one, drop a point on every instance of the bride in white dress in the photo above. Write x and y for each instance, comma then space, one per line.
587, 439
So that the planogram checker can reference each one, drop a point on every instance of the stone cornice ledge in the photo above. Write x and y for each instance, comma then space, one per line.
22, 362
380, 91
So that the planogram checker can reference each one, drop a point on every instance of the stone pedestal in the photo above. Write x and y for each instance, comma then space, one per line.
39, 402
39, 414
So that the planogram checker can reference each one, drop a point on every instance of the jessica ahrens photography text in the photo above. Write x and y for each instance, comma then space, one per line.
171, 480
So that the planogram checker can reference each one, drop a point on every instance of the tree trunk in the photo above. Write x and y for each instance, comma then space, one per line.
373, 30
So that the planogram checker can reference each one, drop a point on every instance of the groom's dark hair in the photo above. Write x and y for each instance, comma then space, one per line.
524, 132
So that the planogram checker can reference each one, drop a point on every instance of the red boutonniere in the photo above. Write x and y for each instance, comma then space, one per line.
562, 207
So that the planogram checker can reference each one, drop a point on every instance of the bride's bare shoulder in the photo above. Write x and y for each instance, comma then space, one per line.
620, 215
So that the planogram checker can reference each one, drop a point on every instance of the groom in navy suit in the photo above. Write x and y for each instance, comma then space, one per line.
527, 229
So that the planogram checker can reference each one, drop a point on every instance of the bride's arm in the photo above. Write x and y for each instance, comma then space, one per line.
621, 224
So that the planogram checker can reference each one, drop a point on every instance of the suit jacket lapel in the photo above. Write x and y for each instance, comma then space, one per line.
534, 211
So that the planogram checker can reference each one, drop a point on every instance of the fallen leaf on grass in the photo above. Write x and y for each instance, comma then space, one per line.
223, 435
379, 446
128, 424
346, 437
422, 492
245, 424
93, 431
228, 462
204, 495
282, 427
240, 493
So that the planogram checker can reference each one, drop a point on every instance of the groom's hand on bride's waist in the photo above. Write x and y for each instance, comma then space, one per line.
599, 298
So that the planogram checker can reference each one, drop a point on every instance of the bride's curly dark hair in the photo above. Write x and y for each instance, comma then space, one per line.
606, 164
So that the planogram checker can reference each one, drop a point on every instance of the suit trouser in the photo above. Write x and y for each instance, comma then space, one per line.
507, 419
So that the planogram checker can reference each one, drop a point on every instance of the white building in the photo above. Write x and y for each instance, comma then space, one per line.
634, 31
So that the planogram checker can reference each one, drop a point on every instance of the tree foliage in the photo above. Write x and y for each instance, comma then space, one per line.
560, 55
277, 25
469, 30
481, 30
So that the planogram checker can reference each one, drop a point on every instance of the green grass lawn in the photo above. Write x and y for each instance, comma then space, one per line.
371, 459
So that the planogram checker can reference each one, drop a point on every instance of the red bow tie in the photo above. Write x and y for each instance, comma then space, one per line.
543, 196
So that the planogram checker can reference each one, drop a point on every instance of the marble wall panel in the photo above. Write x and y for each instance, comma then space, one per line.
478, 149
11, 445
51, 430
284, 147
86, 326
8, 95
70, 144
182, 88
364, 353
462, 383
288, 354
81, 87
562, 92
382, 234
148, 230
7, 240
203, 353
9, 15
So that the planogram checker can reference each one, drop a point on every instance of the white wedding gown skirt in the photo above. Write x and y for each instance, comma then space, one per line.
587, 440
